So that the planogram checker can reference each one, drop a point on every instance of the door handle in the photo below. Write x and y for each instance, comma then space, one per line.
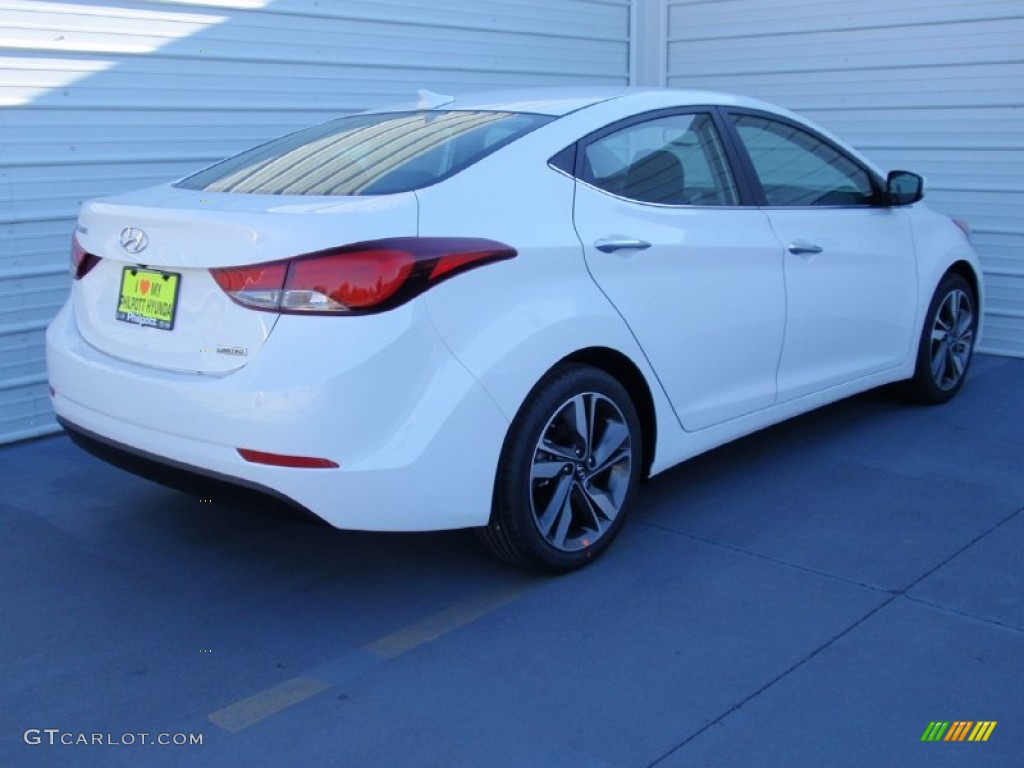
612, 244
802, 247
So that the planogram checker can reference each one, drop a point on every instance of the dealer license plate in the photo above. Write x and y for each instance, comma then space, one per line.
148, 297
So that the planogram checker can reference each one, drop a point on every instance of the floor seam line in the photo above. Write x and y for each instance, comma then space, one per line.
964, 614
776, 561
785, 673
964, 548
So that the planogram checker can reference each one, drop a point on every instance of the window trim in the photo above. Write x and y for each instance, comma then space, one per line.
743, 158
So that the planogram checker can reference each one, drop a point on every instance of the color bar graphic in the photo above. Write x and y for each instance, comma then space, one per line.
958, 730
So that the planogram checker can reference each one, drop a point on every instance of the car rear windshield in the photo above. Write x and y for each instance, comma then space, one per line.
376, 154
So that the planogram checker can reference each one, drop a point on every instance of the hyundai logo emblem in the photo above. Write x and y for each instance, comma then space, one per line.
134, 240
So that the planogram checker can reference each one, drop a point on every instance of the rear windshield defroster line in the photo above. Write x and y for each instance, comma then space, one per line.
374, 154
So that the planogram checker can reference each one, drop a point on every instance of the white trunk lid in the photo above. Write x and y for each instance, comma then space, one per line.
187, 233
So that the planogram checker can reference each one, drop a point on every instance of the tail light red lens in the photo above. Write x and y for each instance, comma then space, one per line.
357, 279
81, 262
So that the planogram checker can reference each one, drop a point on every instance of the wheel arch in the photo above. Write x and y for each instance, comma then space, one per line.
625, 371
968, 273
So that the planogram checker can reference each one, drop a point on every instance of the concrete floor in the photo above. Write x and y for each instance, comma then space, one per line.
814, 595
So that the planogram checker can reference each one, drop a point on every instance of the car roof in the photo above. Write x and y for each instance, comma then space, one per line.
558, 101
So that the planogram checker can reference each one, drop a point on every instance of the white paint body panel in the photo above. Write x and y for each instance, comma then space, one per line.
190, 229
706, 301
207, 320
389, 434
851, 309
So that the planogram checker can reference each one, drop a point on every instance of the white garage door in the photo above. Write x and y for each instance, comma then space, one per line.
105, 96
936, 87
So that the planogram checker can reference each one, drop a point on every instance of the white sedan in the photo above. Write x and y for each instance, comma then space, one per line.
503, 311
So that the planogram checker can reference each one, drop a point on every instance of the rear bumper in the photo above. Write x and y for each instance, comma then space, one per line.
193, 480
415, 436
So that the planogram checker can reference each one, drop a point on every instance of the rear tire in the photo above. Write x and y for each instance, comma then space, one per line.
568, 472
946, 347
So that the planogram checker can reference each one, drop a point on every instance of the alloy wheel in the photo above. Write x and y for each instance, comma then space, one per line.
952, 339
580, 473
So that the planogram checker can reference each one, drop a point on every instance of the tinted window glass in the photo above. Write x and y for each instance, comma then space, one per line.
796, 168
676, 160
367, 154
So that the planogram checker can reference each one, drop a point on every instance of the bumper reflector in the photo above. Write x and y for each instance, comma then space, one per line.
280, 460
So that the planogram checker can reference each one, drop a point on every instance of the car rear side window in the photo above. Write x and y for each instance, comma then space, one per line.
367, 154
674, 160
796, 168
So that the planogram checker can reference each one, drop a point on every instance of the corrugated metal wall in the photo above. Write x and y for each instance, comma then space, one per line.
933, 86
106, 96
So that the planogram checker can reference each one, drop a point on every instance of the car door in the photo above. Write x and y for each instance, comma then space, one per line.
696, 276
850, 267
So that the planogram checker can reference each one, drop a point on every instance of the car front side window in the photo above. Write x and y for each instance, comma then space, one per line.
796, 168
674, 160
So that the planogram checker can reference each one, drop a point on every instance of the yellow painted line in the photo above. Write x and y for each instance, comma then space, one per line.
246, 712
249, 711
441, 623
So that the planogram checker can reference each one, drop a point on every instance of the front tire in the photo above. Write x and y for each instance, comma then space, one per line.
568, 471
947, 342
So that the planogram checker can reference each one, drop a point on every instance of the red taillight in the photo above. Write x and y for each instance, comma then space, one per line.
354, 280
81, 262
357, 279
283, 460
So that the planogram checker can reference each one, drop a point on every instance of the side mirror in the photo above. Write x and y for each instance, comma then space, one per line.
903, 188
